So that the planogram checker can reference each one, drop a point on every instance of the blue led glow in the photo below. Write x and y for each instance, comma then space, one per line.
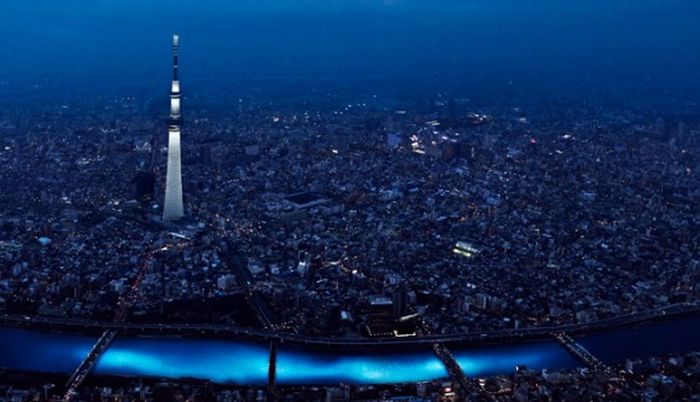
224, 362
299, 367
503, 359
39, 351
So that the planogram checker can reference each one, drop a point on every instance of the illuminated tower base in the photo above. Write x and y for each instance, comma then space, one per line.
173, 208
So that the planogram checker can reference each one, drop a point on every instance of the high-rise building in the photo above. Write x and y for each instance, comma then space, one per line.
173, 207
381, 316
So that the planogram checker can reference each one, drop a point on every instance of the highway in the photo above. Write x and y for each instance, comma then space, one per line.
218, 330
245, 280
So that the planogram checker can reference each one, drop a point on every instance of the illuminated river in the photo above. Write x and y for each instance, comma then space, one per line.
242, 362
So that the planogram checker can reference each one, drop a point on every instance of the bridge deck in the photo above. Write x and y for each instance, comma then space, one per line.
453, 368
88, 363
272, 373
579, 351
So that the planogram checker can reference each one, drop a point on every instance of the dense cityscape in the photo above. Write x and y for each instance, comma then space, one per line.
590, 218
357, 221
453, 245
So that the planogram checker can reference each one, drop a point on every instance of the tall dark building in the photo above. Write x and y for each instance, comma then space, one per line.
145, 182
381, 316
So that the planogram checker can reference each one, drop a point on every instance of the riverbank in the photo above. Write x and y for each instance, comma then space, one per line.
218, 331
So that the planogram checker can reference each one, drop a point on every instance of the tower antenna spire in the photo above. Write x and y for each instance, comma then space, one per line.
176, 45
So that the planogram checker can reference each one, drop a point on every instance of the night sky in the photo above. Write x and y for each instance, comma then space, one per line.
90, 44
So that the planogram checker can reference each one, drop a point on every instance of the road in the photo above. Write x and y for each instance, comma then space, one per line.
502, 336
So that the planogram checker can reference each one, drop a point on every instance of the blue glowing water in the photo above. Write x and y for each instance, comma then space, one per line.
296, 366
40, 351
236, 362
503, 359
242, 362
